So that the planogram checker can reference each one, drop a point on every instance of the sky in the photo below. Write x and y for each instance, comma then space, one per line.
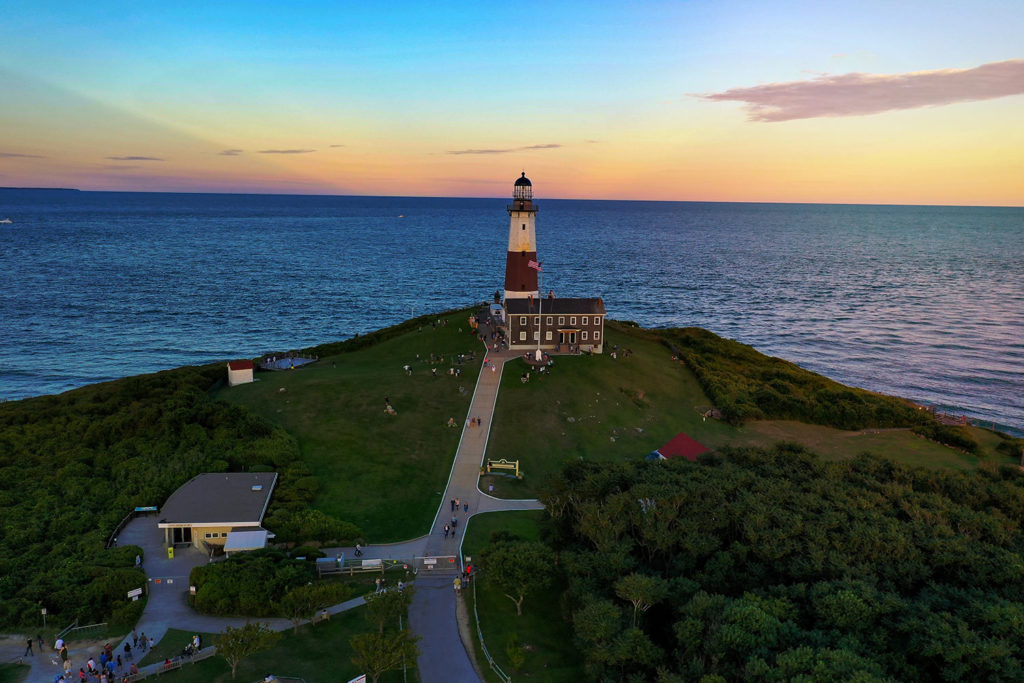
706, 100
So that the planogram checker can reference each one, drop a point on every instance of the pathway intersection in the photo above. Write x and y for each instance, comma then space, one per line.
444, 654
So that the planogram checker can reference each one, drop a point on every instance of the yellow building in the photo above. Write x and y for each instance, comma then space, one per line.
205, 510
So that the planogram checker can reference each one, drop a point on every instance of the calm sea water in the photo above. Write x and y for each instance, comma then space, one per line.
922, 302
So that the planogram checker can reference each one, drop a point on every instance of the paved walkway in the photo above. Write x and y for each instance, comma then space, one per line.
432, 614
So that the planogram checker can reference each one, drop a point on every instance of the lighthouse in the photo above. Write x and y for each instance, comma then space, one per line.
520, 276
530, 323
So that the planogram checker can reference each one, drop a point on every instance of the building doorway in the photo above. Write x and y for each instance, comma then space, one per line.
181, 535
567, 336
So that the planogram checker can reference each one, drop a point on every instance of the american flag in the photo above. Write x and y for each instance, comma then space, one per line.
534, 265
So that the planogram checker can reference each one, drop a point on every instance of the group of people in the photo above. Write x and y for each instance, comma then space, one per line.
106, 668
456, 503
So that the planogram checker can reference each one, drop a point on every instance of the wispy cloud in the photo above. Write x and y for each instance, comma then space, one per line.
231, 152
502, 151
118, 167
134, 158
857, 94
15, 155
286, 151
338, 145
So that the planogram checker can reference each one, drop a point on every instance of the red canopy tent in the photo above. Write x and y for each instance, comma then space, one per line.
681, 446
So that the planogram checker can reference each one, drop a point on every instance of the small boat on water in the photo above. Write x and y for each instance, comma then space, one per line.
6, 220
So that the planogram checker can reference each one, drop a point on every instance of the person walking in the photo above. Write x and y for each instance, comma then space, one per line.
28, 650
453, 503
446, 530
457, 584
465, 507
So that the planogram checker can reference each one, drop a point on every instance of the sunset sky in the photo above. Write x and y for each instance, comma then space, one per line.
709, 100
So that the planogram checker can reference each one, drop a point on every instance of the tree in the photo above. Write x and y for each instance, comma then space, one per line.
518, 567
235, 644
641, 590
384, 607
305, 601
376, 653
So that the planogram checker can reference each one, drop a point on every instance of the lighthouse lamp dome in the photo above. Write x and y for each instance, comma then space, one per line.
523, 188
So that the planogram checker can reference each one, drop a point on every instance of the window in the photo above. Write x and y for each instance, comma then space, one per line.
536, 320
597, 336
522, 321
561, 320
522, 335
536, 335
524, 226
209, 535
572, 320
549, 320
584, 333
549, 335
586, 320
224, 534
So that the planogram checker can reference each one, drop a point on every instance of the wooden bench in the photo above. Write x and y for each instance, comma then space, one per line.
504, 465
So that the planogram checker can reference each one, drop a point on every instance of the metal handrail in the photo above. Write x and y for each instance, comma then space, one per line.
480, 636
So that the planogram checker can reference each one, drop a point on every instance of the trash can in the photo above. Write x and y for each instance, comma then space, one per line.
170, 553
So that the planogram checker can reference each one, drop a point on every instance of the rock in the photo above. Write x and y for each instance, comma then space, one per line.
570, 419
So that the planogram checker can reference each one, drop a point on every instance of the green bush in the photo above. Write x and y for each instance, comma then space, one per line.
247, 584
746, 385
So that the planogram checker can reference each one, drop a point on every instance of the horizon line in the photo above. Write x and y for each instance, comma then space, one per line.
571, 199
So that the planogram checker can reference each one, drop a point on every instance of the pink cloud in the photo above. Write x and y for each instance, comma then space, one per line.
857, 94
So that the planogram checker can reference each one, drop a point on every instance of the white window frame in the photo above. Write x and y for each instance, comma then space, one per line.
572, 320
536, 320
583, 335
561, 320
597, 335
536, 335
548, 337
548, 320
522, 335
586, 320
522, 320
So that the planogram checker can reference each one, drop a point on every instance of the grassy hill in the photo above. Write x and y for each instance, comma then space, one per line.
594, 408
385, 473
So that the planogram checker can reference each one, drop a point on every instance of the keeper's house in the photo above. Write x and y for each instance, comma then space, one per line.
557, 324
209, 509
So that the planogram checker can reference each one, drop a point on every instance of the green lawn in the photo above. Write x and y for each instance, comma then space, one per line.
13, 673
596, 408
547, 639
384, 473
317, 653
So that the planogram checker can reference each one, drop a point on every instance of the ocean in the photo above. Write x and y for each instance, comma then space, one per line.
921, 302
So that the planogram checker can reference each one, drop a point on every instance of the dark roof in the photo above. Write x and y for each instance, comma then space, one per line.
682, 446
555, 306
240, 365
523, 180
220, 498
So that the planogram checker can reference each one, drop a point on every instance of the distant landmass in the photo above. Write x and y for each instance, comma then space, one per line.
42, 189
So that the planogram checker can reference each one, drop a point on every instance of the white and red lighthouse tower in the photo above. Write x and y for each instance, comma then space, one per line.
520, 277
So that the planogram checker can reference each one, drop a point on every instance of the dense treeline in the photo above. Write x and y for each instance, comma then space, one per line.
773, 565
73, 465
748, 385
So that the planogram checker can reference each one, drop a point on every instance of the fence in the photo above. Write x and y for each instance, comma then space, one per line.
173, 664
87, 632
441, 564
326, 566
480, 636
